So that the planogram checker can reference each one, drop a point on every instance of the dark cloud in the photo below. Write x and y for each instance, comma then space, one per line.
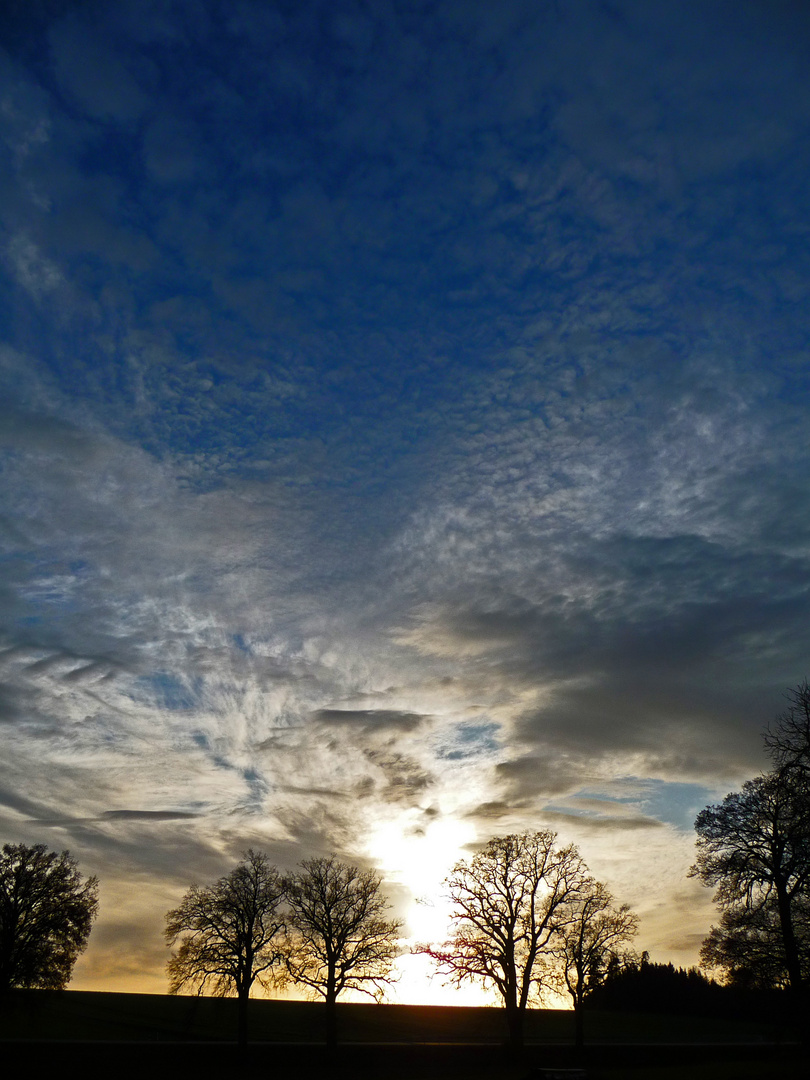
312, 792
563, 820
494, 810
21, 804
145, 816
316, 829
406, 780
649, 645
371, 721
362, 789
542, 777
15, 704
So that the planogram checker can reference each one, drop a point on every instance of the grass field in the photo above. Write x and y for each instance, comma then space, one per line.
176, 1037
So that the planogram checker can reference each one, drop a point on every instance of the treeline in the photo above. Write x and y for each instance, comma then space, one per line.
635, 984
526, 915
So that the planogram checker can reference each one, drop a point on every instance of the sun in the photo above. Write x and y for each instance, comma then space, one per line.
420, 859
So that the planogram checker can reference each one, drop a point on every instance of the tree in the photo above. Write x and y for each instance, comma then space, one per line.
589, 939
748, 945
46, 914
755, 849
510, 902
231, 934
635, 984
340, 938
755, 846
787, 740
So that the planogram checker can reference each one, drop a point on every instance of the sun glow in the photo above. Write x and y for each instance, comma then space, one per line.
420, 858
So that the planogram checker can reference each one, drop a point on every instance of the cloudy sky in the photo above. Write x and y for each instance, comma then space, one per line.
403, 438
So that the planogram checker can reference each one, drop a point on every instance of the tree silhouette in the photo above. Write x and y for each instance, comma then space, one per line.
749, 946
635, 984
588, 941
787, 739
46, 914
754, 847
231, 934
510, 903
340, 938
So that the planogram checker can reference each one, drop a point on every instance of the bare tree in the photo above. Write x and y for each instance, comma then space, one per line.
231, 934
46, 914
340, 938
787, 739
594, 930
509, 904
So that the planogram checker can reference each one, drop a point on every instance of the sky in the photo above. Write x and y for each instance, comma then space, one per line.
403, 439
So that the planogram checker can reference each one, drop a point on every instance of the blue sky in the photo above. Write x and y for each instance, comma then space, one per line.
403, 436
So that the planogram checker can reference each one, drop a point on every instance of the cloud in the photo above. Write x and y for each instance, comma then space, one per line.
35, 272
406, 780
370, 721
147, 815
542, 777
94, 73
493, 810
563, 819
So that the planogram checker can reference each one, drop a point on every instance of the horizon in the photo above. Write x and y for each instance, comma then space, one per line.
404, 440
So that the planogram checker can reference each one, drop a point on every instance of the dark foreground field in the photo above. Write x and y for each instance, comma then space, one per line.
78, 1033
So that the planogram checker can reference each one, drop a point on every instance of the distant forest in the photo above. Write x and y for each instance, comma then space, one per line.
641, 986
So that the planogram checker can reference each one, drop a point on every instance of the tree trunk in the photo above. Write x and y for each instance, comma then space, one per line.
242, 1018
330, 1005
792, 959
513, 1006
514, 1020
579, 1028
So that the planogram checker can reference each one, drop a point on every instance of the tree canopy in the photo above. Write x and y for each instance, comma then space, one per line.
46, 914
230, 933
749, 945
636, 984
590, 938
754, 849
787, 739
509, 903
340, 937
